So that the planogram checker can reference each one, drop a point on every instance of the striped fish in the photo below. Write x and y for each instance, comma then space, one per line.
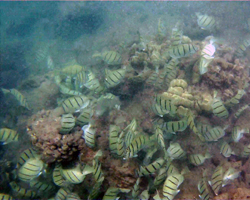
229, 175
171, 75
41, 187
149, 155
175, 126
160, 28
58, 179
96, 190
93, 83
136, 145
110, 57
72, 69
21, 192
111, 193
176, 37
198, 159
97, 170
50, 63
67, 123
219, 109
214, 134
170, 187
203, 64
205, 22
151, 168
62, 193
151, 80
171, 169
240, 111
130, 132
68, 82
5, 197
42, 53
191, 124
136, 188
235, 99
73, 175
65, 90
159, 137
175, 151
242, 48
217, 178
19, 97
157, 109
81, 79
8, 135
73, 196
203, 128
113, 137
182, 50
26, 155
246, 151
144, 195
114, 77
203, 188
166, 103
161, 176
121, 144
171, 65
30, 170
159, 121
179, 83
89, 132
75, 104
237, 133
226, 150
85, 116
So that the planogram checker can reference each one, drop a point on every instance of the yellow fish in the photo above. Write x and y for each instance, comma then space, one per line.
75, 104
110, 57
182, 50
72, 70
31, 169
18, 95
205, 22
62, 193
114, 77
5, 196
67, 123
21, 192
8, 135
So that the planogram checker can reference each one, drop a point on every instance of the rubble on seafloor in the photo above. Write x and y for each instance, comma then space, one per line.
226, 75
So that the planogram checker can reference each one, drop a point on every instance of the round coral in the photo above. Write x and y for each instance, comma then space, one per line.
44, 132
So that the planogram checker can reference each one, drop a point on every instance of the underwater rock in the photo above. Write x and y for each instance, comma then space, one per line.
226, 77
44, 132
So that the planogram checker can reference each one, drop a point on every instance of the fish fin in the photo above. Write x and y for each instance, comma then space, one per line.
87, 170
96, 55
185, 170
207, 155
98, 154
5, 91
124, 190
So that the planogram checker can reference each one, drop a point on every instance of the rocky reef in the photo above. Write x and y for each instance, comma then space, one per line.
44, 132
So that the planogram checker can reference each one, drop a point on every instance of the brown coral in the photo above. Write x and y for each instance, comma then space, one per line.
44, 132
226, 77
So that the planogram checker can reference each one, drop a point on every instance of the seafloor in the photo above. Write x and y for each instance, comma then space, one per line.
39, 127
